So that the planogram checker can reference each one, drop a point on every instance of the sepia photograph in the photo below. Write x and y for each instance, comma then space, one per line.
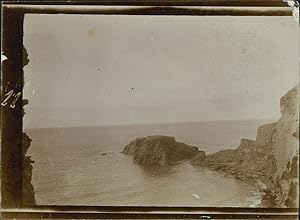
166, 111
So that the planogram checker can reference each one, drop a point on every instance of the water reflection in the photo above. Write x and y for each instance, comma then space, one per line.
156, 170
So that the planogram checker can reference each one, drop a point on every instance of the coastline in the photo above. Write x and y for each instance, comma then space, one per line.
270, 162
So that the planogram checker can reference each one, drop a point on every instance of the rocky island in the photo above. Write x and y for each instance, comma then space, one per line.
159, 150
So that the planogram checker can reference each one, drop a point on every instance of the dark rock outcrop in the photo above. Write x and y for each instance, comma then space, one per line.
200, 156
160, 150
270, 161
28, 190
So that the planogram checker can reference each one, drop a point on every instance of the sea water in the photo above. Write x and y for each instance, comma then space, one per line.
84, 166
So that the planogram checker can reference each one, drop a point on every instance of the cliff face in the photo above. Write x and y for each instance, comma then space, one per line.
270, 161
286, 149
160, 150
28, 190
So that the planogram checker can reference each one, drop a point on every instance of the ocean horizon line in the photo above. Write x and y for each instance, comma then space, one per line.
158, 123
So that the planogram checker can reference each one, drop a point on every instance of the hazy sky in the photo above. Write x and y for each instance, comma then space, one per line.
102, 70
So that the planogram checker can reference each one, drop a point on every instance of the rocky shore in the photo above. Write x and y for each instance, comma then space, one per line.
271, 161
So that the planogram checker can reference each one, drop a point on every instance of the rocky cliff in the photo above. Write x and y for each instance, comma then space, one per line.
160, 150
285, 146
270, 161
28, 190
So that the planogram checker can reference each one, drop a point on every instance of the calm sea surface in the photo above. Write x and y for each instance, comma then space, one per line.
70, 170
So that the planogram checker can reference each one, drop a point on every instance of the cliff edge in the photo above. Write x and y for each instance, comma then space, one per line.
28, 190
270, 161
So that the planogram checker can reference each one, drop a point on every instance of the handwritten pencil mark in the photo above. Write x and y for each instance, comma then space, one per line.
13, 103
9, 95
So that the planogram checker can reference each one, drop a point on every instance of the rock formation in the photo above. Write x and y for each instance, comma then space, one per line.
285, 145
28, 190
160, 150
270, 161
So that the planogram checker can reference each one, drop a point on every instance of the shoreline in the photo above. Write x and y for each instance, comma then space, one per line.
266, 198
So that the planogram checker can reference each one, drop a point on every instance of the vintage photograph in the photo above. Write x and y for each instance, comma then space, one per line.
141, 110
